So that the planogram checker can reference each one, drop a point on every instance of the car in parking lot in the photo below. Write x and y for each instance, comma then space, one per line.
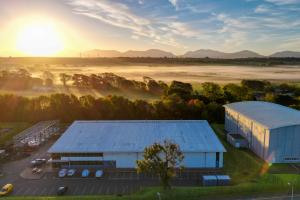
62, 190
99, 173
85, 173
38, 162
71, 172
62, 173
6, 189
36, 170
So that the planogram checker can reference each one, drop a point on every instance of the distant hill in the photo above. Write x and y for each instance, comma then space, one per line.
102, 53
203, 53
154, 53
286, 54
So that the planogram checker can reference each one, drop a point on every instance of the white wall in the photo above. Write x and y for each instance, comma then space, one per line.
123, 160
194, 160
191, 160
210, 160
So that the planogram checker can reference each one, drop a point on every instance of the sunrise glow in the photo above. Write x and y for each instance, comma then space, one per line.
39, 39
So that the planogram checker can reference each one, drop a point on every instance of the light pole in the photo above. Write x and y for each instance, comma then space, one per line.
158, 196
291, 184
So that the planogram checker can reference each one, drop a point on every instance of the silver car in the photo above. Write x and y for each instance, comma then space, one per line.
62, 173
71, 172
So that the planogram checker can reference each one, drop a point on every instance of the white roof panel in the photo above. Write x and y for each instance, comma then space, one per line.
135, 135
269, 115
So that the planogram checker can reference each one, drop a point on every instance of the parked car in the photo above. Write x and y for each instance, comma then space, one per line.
62, 173
34, 170
85, 173
62, 190
6, 189
99, 173
38, 162
71, 172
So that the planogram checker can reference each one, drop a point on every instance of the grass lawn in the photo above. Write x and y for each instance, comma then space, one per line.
9, 129
250, 177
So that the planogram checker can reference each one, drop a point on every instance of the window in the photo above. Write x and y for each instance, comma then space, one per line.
217, 160
291, 158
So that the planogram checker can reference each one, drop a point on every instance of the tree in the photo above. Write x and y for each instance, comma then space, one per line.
255, 85
49, 82
48, 75
162, 160
234, 92
64, 78
212, 91
184, 90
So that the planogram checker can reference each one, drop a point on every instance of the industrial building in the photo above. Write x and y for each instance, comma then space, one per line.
119, 144
272, 130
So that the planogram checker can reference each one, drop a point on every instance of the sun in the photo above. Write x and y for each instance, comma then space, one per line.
39, 39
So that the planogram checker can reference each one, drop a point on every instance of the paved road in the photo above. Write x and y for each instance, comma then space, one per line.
296, 197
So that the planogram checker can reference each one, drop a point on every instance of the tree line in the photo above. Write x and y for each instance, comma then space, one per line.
179, 101
21, 79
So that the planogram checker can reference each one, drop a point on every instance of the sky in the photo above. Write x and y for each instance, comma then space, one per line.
73, 26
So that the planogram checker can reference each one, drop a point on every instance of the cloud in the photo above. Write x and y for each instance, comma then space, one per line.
174, 3
162, 31
283, 2
262, 9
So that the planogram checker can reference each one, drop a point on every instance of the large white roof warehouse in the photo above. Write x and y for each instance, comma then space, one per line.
271, 130
270, 115
117, 137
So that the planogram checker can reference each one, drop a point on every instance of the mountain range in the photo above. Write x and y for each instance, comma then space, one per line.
201, 53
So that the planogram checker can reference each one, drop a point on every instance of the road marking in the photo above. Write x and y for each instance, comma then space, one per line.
101, 189
83, 190
75, 190
92, 190
19, 191
123, 190
35, 191
115, 190
107, 189
27, 191
44, 191
275, 197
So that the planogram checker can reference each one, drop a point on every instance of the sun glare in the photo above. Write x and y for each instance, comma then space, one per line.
39, 39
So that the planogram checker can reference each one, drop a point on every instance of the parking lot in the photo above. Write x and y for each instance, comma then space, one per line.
113, 182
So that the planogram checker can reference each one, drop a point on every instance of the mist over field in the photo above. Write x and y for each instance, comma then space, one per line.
186, 73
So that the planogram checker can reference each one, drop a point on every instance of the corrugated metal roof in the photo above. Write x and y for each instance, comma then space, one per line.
269, 115
134, 136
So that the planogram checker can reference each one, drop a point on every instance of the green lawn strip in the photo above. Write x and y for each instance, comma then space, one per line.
16, 127
242, 165
283, 168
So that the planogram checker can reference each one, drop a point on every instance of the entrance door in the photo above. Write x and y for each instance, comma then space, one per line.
217, 159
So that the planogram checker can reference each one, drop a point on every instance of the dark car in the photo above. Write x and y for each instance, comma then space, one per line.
38, 162
62, 190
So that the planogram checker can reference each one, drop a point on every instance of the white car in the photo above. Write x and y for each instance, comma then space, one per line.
62, 173
34, 170
85, 173
99, 173
71, 172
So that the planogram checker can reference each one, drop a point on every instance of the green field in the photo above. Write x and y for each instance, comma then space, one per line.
250, 177
9, 129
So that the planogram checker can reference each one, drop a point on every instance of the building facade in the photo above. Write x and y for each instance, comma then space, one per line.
119, 144
272, 130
